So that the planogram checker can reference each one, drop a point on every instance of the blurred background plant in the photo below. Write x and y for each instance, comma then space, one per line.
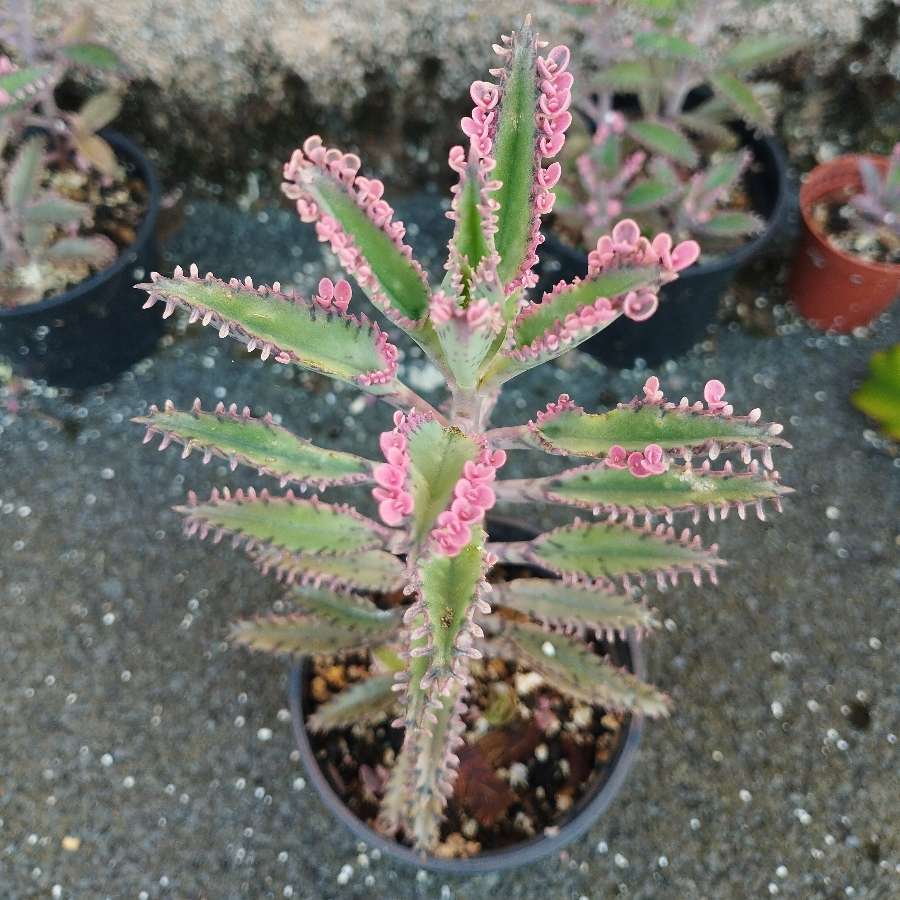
660, 103
879, 395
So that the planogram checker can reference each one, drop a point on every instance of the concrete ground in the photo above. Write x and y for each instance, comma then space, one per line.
141, 757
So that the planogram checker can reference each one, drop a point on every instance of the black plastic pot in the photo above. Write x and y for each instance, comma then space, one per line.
95, 330
584, 813
689, 305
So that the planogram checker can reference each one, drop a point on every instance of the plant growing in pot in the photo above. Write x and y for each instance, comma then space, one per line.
78, 205
430, 619
679, 140
847, 267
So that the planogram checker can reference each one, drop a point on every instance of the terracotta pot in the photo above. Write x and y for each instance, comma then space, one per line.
831, 288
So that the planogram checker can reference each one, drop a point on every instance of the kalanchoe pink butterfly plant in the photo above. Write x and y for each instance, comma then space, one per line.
439, 472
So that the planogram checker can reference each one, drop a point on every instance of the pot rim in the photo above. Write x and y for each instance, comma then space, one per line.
528, 851
806, 205
127, 148
741, 254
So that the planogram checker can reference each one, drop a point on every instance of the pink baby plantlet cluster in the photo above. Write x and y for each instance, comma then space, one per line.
440, 469
670, 160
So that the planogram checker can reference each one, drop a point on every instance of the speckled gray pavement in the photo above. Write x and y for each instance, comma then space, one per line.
141, 757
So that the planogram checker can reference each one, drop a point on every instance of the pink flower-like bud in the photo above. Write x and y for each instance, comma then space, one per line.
655, 459
652, 393
625, 235
475, 492
685, 254
548, 177
484, 94
617, 457
639, 306
467, 513
391, 440
713, 394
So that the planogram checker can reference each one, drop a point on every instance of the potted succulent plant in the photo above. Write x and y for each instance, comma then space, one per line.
78, 206
680, 141
453, 668
847, 268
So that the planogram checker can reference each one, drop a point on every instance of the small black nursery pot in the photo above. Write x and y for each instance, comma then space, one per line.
687, 306
584, 813
95, 330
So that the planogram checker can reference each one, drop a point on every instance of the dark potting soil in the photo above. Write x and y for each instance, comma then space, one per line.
119, 204
530, 754
849, 232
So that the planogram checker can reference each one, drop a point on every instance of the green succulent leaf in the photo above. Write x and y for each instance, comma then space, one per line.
626, 76
92, 55
284, 523
96, 250
449, 586
373, 571
293, 330
399, 279
708, 127
514, 152
344, 608
723, 174
23, 86
608, 551
98, 111
575, 670
302, 635
50, 210
660, 45
469, 239
760, 50
740, 97
437, 456
680, 488
24, 175
665, 139
731, 225
879, 395
364, 703
650, 193
258, 443
574, 606
633, 427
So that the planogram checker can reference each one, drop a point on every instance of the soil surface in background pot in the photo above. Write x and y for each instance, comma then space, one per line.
846, 230
529, 755
119, 205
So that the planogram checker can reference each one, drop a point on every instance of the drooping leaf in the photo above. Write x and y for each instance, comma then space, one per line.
760, 50
437, 456
574, 669
292, 329
92, 55
373, 571
302, 635
283, 523
633, 427
574, 606
24, 175
259, 443
612, 552
96, 151
661, 138
363, 703
740, 97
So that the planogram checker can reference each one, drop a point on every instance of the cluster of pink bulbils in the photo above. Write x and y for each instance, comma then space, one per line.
552, 118
473, 496
641, 463
479, 314
395, 503
626, 246
333, 296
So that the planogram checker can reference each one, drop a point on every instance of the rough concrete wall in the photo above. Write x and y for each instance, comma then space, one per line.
222, 85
